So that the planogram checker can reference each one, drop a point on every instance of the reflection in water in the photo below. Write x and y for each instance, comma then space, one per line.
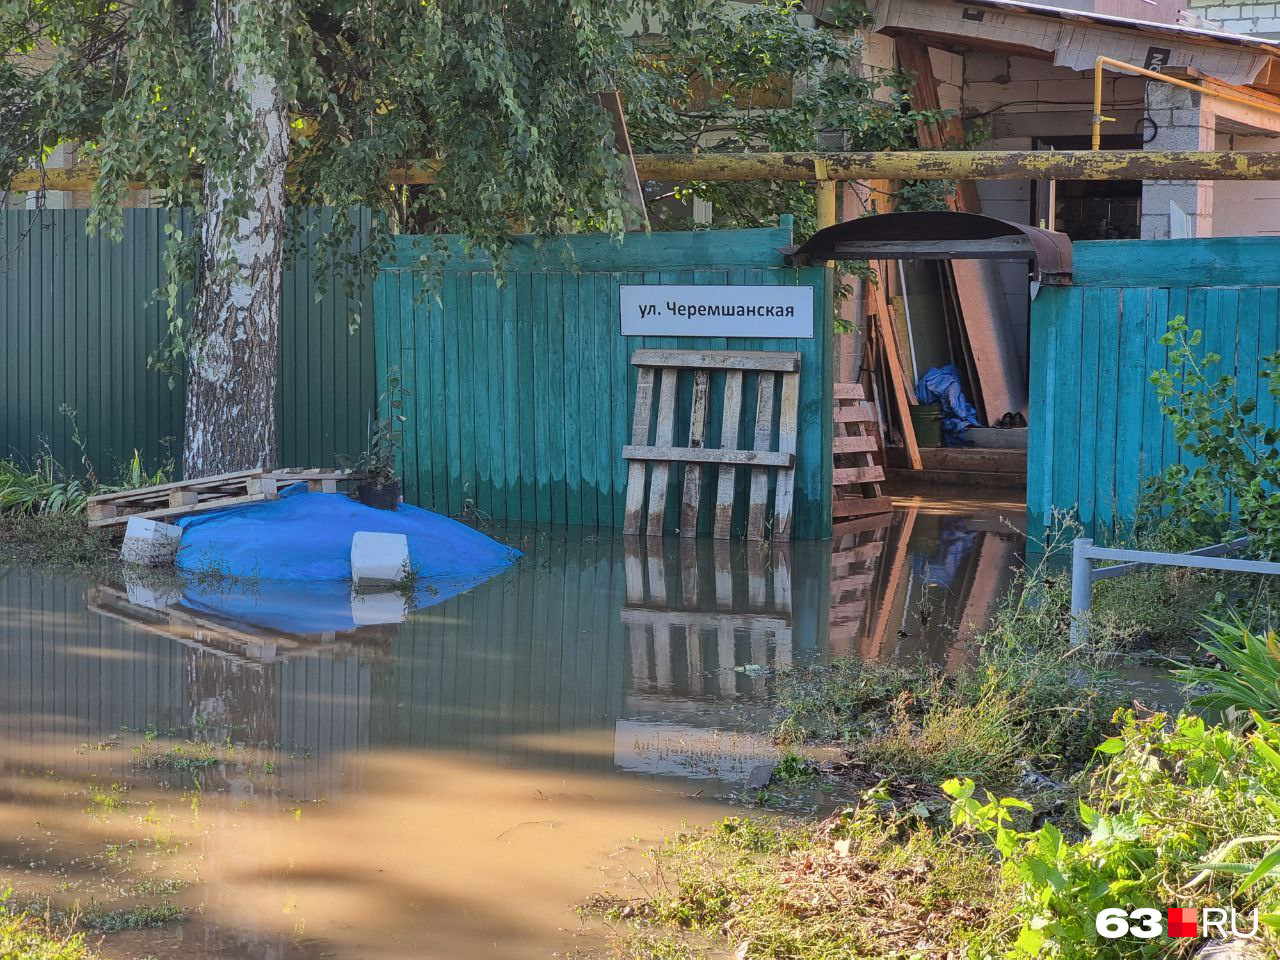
466, 775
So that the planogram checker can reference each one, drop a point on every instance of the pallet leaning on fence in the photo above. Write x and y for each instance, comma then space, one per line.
207, 493
662, 369
855, 475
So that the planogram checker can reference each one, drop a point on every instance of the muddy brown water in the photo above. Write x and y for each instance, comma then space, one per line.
450, 786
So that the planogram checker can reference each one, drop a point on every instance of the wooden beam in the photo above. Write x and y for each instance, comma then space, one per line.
612, 104
998, 248
913, 56
969, 165
887, 337
887, 164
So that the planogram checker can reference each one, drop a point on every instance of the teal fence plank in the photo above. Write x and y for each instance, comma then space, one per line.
1209, 261
78, 323
542, 384
1097, 431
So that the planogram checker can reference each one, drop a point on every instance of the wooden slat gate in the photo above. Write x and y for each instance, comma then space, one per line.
1096, 428
521, 388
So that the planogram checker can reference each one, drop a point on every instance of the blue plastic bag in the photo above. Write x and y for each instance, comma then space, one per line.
942, 385
307, 536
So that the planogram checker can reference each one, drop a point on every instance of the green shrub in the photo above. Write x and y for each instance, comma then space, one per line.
24, 937
1247, 682
1172, 801
1234, 484
42, 489
1027, 699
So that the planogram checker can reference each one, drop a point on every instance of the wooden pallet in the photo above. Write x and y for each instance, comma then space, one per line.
675, 607
665, 367
855, 475
207, 493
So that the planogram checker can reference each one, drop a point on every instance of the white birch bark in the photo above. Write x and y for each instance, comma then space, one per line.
234, 346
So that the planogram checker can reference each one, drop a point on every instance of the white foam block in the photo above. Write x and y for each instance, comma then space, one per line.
379, 557
145, 596
149, 542
368, 609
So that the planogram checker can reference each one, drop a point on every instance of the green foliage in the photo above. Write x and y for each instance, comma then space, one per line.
758, 78
25, 937
1246, 680
794, 768
1027, 699
1236, 456
854, 885
380, 461
501, 99
42, 489
132, 918
1169, 802
187, 758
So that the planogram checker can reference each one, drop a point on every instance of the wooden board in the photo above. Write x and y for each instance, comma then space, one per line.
901, 396
718, 359
1000, 381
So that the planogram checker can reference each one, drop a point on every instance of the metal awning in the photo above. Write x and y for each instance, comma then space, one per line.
942, 235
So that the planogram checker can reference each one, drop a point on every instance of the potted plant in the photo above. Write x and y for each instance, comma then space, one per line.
380, 485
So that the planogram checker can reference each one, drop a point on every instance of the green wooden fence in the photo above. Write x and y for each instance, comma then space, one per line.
1097, 432
520, 387
77, 324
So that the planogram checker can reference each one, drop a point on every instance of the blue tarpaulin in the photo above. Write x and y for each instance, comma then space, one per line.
942, 385
296, 607
307, 536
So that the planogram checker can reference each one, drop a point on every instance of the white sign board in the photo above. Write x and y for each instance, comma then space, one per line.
681, 750
716, 311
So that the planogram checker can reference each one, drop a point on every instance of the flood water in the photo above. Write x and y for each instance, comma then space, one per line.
452, 785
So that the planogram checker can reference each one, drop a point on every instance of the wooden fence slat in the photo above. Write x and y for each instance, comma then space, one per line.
663, 436
759, 493
639, 434
693, 471
788, 437
732, 411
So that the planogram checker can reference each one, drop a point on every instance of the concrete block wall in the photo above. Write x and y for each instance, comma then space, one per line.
1254, 19
1179, 208
948, 68
1019, 98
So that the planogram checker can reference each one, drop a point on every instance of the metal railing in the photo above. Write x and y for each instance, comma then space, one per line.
1084, 575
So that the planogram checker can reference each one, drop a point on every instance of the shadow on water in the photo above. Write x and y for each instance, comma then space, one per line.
450, 784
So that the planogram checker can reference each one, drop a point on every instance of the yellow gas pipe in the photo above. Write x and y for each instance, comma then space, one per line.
1098, 118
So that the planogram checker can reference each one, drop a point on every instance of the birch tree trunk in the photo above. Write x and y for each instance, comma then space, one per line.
234, 343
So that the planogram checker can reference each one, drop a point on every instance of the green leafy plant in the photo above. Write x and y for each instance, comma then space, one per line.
41, 489
763, 77
1168, 802
1233, 482
27, 937
380, 461
1246, 682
